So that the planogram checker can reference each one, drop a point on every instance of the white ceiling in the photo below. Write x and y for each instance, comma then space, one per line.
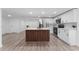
31, 12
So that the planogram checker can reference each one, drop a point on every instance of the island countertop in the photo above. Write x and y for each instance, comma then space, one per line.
37, 29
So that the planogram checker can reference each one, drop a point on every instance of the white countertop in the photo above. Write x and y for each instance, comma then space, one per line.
37, 29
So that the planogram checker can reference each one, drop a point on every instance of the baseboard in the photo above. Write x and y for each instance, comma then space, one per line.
9, 33
63, 41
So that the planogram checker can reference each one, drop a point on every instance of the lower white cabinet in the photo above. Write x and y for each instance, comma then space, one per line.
68, 36
72, 37
63, 34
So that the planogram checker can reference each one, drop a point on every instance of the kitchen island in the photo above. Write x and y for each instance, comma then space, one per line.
37, 34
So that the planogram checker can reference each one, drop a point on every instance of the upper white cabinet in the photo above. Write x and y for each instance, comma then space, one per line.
68, 17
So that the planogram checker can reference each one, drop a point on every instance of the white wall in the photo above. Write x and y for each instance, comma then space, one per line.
31, 23
17, 25
0, 30
77, 18
10, 25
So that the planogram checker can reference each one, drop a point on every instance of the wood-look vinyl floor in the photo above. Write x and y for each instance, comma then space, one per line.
16, 42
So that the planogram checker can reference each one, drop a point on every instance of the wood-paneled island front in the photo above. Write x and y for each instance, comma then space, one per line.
37, 34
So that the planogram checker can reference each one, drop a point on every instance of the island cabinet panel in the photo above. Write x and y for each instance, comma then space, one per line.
37, 35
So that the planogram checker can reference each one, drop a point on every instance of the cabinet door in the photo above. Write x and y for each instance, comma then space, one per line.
66, 36
60, 33
63, 35
72, 37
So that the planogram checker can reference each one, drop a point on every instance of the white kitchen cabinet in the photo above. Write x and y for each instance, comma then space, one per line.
72, 37
68, 21
62, 34
68, 36
77, 38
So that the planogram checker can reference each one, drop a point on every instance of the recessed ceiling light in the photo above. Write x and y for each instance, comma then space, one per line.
42, 12
30, 12
9, 15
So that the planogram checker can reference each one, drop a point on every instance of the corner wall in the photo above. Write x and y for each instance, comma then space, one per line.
0, 29
77, 18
